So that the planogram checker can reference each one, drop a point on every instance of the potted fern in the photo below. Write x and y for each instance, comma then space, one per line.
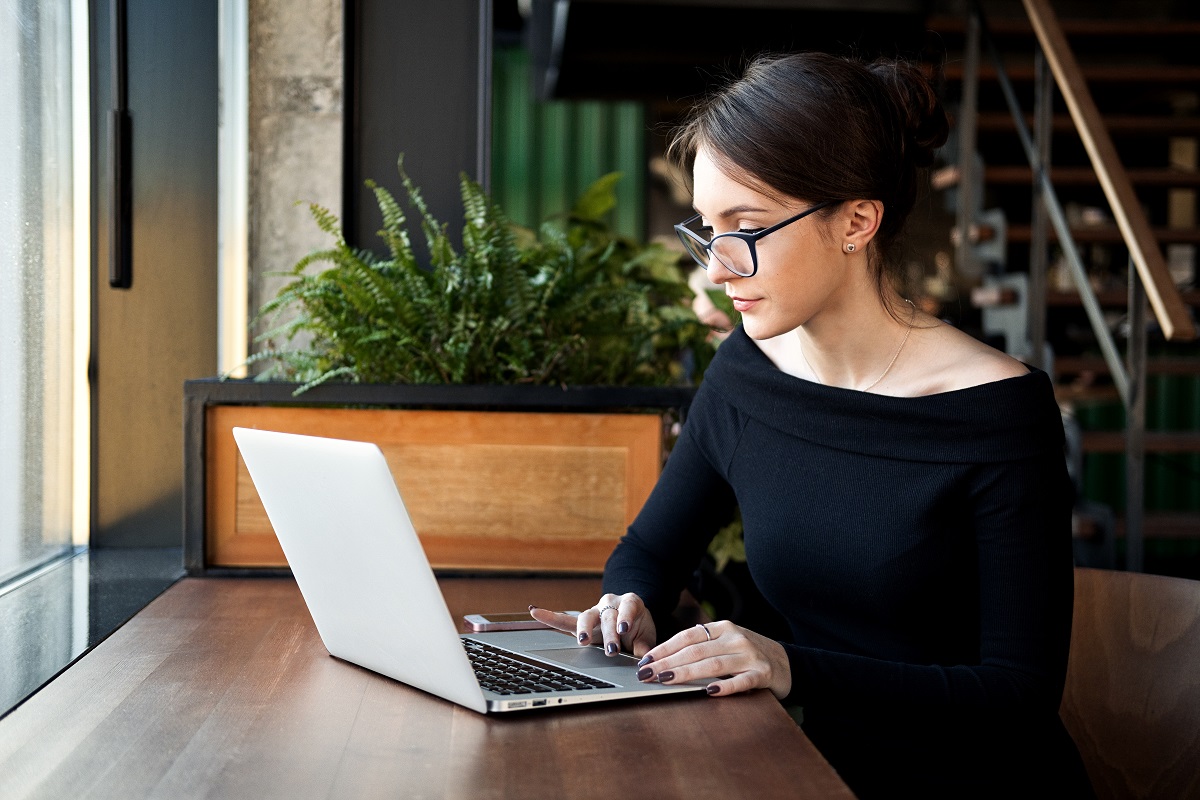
572, 304
523, 383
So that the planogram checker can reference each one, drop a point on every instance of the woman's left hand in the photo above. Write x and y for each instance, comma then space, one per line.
737, 659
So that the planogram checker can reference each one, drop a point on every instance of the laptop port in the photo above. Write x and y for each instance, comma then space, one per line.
537, 703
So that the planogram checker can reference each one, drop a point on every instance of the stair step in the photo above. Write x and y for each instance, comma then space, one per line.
1024, 233
1155, 525
1112, 298
1160, 365
1079, 176
1166, 525
1092, 74
1020, 26
1156, 441
1002, 121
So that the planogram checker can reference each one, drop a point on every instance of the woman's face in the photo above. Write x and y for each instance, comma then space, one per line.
798, 266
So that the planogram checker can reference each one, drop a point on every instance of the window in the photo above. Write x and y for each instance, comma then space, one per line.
38, 287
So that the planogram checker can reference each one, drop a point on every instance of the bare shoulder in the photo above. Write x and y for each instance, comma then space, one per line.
955, 360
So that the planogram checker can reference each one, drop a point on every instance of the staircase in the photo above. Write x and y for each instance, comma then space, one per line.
1144, 77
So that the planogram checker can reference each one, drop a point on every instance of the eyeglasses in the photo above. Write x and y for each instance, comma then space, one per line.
735, 250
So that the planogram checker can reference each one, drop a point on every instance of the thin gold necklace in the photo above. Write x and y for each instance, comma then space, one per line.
912, 318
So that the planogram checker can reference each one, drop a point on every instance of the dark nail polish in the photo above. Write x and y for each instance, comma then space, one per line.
532, 607
712, 689
646, 659
666, 677
644, 673
611, 648
583, 637
623, 628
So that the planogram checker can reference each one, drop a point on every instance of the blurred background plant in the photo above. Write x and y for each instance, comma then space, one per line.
572, 303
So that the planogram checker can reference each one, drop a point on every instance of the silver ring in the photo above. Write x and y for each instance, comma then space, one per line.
606, 608
705, 628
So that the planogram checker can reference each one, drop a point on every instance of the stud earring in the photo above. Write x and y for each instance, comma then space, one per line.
849, 247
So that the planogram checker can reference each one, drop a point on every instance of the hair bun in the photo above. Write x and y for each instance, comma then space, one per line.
923, 123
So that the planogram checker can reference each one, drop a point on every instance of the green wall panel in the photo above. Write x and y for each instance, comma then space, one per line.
1172, 480
544, 154
507, 96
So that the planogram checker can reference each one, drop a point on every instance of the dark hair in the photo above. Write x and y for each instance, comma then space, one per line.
822, 127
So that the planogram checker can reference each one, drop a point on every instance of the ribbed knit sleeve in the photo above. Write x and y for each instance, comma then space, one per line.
690, 502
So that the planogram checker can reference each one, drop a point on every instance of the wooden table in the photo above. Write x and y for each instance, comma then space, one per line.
222, 688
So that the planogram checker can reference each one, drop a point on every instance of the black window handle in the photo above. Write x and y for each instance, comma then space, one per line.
120, 136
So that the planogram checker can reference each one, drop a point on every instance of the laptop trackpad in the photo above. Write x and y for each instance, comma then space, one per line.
584, 657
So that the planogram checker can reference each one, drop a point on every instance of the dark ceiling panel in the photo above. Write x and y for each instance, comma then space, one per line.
667, 52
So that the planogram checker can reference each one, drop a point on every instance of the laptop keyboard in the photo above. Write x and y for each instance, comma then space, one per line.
508, 673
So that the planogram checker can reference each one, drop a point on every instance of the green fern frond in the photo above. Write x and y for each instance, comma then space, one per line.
569, 303
393, 232
598, 199
326, 220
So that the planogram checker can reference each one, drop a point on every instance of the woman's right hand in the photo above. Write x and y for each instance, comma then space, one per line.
619, 622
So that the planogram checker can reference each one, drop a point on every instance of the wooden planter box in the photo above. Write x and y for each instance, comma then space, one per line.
507, 478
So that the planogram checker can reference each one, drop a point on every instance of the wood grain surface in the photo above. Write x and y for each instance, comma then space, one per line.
486, 490
222, 688
1132, 699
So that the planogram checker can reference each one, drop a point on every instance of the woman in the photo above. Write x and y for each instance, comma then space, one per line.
903, 488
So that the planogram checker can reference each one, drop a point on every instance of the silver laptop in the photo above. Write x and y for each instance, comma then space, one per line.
375, 600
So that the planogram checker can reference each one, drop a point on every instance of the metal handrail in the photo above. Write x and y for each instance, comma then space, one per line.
1164, 297
1058, 218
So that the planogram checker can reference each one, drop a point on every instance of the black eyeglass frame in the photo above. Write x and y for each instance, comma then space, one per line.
681, 230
